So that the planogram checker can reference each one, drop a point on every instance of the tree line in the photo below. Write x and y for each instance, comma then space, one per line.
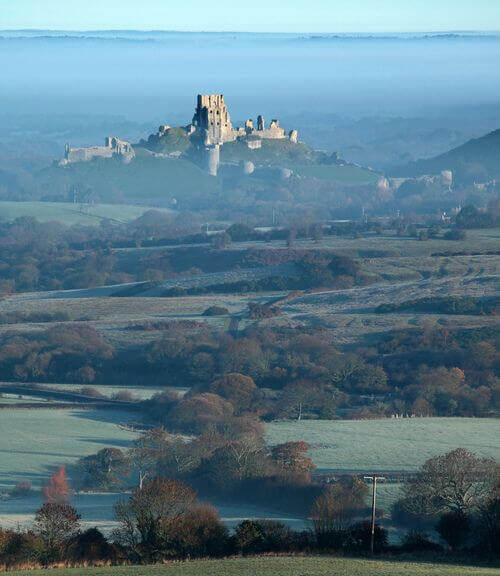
163, 518
271, 372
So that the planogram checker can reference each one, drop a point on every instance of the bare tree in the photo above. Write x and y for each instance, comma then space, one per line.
458, 481
107, 469
56, 524
338, 506
148, 450
149, 516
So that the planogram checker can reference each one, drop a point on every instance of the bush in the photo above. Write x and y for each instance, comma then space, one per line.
21, 489
240, 232
106, 470
360, 537
200, 533
417, 541
258, 536
454, 528
91, 546
455, 234
193, 414
216, 311
17, 548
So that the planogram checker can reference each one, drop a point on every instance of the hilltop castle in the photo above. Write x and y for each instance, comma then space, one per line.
212, 122
210, 129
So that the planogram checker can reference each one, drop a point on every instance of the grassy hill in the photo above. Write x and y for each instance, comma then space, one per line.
281, 153
279, 566
175, 140
476, 160
147, 180
69, 213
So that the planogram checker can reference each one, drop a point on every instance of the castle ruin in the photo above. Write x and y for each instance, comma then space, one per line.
113, 146
212, 122
210, 129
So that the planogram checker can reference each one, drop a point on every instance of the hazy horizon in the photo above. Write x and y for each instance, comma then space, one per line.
145, 75
313, 16
362, 33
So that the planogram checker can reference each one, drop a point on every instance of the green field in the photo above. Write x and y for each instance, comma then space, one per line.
280, 566
69, 213
32, 442
138, 392
387, 445
147, 179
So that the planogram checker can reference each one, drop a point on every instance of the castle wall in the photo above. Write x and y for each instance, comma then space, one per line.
113, 146
88, 154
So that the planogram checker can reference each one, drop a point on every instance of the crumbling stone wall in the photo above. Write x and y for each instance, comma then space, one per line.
113, 146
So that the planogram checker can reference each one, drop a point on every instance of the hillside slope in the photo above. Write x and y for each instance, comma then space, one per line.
146, 180
477, 160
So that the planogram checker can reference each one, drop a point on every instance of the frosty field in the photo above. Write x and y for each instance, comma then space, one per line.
33, 442
387, 445
281, 566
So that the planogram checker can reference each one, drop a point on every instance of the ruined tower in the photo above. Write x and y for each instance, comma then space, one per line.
212, 116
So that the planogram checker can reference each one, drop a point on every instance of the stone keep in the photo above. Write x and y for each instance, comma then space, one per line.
212, 117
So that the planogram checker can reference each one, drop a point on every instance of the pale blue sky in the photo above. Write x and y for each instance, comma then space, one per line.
253, 15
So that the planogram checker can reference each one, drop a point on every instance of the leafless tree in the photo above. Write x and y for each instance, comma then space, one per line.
148, 518
56, 524
458, 481
338, 506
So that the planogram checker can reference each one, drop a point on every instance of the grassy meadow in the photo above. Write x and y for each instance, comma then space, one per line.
281, 566
387, 445
33, 442
68, 213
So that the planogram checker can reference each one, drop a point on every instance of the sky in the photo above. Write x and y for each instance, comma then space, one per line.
314, 16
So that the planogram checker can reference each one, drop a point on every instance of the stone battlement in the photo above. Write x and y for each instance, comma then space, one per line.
212, 123
212, 120
113, 146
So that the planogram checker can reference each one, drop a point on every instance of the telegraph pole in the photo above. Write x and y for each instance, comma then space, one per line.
374, 480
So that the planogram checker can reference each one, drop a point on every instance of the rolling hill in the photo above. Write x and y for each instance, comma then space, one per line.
478, 160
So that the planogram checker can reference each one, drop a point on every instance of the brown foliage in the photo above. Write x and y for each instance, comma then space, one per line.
194, 414
147, 518
292, 460
238, 389
57, 491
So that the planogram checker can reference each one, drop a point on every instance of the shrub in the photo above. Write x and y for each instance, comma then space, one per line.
360, 537
200, 533
21, 489
257, 536
454, 528
193, 414
56, 525
57, 491
91, 546
417, 541
216, 311
455, 234
106, 470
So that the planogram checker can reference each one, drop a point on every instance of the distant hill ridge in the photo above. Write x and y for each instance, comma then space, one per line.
478, 160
